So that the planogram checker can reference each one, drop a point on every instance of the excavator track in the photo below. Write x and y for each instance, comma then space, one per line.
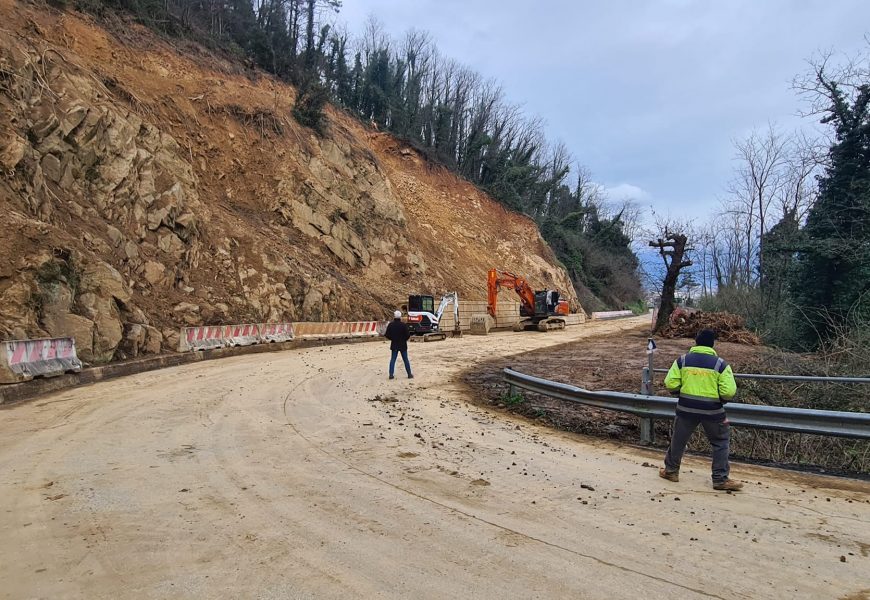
551, 324
435, 337
430, 337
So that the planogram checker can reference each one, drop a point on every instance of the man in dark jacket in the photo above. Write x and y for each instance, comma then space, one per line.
398, 334
704, 382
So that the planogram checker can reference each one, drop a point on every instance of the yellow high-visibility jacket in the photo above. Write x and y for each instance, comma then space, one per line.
703, 381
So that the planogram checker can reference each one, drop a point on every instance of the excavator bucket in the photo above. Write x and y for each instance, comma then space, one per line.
481, 323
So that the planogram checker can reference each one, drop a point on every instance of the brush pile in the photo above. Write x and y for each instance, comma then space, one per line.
728, 327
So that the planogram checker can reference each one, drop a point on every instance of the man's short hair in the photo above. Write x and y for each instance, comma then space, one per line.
705, 337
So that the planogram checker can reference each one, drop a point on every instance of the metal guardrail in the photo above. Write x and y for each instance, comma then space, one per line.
806, 378
780, 418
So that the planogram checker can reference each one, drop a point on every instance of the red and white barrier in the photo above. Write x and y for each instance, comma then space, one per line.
201, 338
313, 330
241, 335
22, 360
276, 332
365, 329
220, 336
339, 329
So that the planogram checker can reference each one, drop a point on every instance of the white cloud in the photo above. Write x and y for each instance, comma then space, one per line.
626, 191
657, 89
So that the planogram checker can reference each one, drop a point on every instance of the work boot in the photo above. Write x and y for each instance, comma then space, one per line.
392, 377
729, 485
410, 377
669, 475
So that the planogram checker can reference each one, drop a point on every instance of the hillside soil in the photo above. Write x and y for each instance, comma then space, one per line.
307, 474
147, 185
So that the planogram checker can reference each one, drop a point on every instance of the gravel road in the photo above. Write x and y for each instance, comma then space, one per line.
306, 474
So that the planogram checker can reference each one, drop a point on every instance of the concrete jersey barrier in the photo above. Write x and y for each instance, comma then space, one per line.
221, 336
611, 314
242, 335
276, 332
22, 360
575, 318
201, 338
339, 329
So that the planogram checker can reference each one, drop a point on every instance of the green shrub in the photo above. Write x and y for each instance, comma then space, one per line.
513, 399
638, 307
311, 99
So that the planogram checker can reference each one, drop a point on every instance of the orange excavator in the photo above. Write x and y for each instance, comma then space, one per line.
541, 309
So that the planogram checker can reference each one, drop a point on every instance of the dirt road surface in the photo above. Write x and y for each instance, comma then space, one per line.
306, 474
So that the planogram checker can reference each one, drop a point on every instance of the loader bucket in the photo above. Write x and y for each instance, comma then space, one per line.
481, 323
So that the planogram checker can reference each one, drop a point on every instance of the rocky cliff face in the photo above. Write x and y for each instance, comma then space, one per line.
143, 189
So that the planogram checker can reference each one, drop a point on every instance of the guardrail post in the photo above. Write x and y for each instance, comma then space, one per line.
647, 425
647, 431
512, 390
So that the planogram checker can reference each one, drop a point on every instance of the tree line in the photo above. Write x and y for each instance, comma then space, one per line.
447, 111
790, 247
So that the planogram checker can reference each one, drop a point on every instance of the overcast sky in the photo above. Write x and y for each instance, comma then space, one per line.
647, 94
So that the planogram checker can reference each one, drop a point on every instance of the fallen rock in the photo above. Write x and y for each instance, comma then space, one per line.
155, 273
75, 326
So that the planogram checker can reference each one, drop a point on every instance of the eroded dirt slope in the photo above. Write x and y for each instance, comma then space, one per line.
145, 186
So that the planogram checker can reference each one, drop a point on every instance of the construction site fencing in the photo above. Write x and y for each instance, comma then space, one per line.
648, 408
22, 360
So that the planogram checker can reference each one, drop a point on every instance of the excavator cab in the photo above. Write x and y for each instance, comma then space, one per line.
547, 304
421, 314
424, 319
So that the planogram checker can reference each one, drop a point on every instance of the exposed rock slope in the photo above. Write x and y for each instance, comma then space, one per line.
143, 187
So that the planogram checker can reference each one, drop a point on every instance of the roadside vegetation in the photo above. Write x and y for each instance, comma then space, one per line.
789, 252
583, 363
789, 249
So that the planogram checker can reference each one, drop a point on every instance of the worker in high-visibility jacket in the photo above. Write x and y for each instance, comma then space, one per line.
704, 383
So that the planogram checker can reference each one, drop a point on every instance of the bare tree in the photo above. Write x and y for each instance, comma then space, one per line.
671, 245
804, 160
757, 183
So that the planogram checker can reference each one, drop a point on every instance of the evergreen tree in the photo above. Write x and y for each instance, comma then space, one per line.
832, 279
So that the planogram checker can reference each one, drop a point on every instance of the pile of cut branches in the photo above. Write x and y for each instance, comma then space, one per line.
728, 327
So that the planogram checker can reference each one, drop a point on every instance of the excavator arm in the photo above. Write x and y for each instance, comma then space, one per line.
498, 279
446, 299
